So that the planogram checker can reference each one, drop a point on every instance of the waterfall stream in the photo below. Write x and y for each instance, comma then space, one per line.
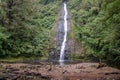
62, 51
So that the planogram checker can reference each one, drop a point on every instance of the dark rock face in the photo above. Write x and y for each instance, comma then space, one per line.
60, 31
55, 53
72, 45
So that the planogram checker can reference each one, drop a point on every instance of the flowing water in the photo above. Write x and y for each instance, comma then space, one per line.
62, 51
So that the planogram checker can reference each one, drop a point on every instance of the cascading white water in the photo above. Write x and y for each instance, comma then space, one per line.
62, 51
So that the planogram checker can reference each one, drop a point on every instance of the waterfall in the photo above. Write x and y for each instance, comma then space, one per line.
62, 51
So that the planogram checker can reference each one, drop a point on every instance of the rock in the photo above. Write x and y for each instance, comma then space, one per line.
50, 69
23, 67
101, 65
65, 71
2, 78
80, 67
39, 66
70, 72
47, 77
94, 66
112, 73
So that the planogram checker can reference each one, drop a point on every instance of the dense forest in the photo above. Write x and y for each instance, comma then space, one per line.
25, 27
97, 24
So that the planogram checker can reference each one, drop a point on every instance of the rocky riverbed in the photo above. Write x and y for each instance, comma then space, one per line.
47, 71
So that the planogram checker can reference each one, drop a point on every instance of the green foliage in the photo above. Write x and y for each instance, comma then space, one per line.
98, 27
25, 27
